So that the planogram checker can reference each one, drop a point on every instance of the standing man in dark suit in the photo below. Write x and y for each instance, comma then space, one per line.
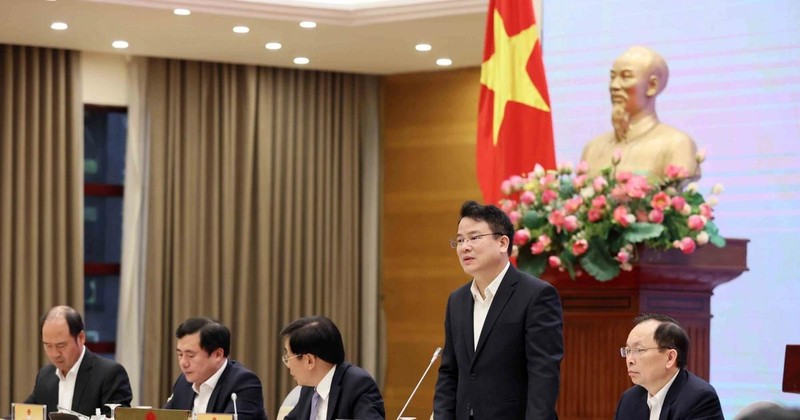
503, 342
76, 378
209, 378
331, 387
655, 354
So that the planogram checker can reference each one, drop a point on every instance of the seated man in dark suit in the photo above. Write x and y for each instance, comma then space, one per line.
209, 378
656, 353
331, 387
76, 378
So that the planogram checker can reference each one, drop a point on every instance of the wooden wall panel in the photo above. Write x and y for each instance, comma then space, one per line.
429, 129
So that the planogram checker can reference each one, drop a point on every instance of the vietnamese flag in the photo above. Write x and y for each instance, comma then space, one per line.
515, 128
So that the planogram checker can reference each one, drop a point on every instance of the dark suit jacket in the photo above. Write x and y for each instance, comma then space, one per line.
354, 395
99, 381
235, 378
514, 373
689, 398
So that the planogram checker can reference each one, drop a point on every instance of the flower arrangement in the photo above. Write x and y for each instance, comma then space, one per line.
568, 221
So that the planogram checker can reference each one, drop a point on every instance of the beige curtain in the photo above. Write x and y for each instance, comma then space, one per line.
41, 204
253, 209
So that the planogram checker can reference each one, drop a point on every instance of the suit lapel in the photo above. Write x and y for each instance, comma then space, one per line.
672, 394
504, 293
84, 373
336, 390
212, 406
469, 326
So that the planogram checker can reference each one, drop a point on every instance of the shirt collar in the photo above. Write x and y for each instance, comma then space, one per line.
212, 381
491, 290
74, 369
661, 395
324, 386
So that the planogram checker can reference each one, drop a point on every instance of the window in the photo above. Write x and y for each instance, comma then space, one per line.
104, 138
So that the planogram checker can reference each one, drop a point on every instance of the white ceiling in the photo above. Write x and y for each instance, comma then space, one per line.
362, 36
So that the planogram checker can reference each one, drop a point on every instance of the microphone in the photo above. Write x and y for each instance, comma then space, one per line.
235, 411
436, 354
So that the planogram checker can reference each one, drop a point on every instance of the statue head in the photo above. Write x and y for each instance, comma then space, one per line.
637, 77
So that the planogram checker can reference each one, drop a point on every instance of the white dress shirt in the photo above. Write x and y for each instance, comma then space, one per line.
203, 392
324, 390
66, 384
655, 402
482, 305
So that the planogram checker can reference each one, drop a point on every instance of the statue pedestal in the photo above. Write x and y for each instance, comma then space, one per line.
598, 317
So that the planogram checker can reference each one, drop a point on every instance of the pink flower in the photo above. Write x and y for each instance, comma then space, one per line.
616, 157
556, 218
660, 200
706, 211
641, 215
521, 237
582, 168
554, 261
508, 205
623, 176
686, 245
599, 184
637, 187
674, 171
545, 240
537, 248
619, 193
527, 198
599, 202
656, 216
579, 181
505, 187
595, 214
517, 182
514, 216
573, 204
571, 223
623, 256
579, 247
696, 222
621, 216
678, 203
548, 196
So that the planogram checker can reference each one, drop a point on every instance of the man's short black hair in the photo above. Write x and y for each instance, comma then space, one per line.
73, 318
669, 334
497, 220
315, 335
213, 334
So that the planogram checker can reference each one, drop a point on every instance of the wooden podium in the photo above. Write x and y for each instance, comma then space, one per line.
598, 317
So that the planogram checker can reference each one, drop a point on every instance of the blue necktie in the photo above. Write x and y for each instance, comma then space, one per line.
314, 406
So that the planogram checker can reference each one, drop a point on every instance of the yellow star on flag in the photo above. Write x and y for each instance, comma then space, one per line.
505, 72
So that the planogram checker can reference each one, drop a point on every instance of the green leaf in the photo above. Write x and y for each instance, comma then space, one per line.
716, 240
532, 264
712, 229
638, 232
533, 220
599, 264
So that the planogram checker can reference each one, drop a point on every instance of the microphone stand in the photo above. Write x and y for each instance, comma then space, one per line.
436, 355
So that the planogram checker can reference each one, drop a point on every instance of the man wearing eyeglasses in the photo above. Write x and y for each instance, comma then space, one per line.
209, 379
503, 330
655, 355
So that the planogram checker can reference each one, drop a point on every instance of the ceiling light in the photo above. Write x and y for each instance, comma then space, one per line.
423, 47
273, 45
444, 62
241, 29
120, 45
308, 24
182, 12
59, 26
301, 60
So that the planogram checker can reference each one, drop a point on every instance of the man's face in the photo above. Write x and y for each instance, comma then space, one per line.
62, 349
480, 252
197, 365
298, 366
648, 367
629, 81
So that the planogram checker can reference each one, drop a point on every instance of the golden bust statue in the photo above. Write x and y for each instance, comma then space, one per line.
647, 145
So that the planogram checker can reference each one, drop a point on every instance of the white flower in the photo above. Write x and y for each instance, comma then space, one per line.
587, 192
717, 189
713, 201
692, 187
686, 210
702, 238
538, 170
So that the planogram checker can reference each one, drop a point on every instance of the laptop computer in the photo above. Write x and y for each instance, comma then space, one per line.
127, 413
62, 416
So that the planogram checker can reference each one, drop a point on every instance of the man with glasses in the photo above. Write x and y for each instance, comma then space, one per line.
209, 379
656, 354
331, 387
503, 330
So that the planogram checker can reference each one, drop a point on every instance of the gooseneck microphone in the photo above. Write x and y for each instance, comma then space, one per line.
235, 411
436, 355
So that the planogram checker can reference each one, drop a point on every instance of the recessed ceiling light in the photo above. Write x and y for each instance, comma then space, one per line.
241, 29
423, 47
273, 45
444, 62
308, 24
59, 26
120, 45
182, 12
301, 60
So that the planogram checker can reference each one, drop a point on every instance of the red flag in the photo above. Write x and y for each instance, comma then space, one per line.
515, 128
